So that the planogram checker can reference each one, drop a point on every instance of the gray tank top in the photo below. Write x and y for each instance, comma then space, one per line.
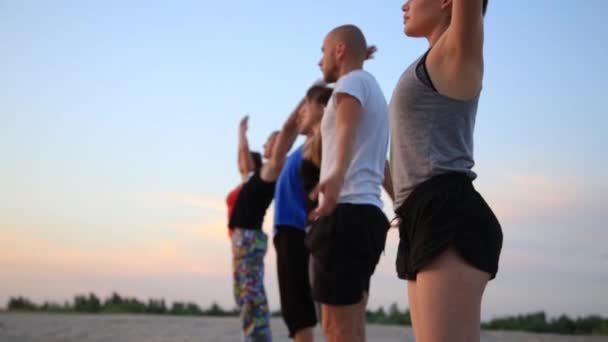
431, 134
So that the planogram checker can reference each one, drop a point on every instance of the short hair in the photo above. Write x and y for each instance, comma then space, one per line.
353, 38
319, 94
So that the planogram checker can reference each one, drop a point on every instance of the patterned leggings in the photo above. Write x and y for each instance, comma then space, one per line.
248, 251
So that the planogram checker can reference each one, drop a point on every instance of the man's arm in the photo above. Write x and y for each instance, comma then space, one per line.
348, 117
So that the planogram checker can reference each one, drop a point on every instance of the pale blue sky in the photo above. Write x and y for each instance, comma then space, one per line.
118, 136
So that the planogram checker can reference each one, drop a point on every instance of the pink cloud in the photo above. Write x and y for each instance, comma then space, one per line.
216, 232
516, 195
195, 201
21, 253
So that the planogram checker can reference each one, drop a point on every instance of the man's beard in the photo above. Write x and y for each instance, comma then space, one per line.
331, 76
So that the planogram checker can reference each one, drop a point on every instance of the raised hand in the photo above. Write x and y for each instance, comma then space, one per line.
244, 124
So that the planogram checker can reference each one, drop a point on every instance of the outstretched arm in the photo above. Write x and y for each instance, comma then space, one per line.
246, 164
287, 136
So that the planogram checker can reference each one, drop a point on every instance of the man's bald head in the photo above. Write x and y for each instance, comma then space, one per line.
344, 49
353, 40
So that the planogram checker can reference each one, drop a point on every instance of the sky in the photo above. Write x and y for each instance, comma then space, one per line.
118, 137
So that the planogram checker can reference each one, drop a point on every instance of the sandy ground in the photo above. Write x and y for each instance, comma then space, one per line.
129, 328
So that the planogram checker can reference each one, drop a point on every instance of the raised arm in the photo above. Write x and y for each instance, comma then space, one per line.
455, 62
245, 161
289, 132
465, 34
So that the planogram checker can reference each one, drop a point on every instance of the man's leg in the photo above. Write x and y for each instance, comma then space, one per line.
343, 323
304, 335
311, 275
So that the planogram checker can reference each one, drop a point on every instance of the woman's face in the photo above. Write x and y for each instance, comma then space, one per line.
309, 116
421, 17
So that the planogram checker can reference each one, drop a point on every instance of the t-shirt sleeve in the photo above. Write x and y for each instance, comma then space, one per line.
353, 85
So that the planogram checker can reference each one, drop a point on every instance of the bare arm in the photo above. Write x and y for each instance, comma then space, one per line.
455, 62
289, 132
348, 117
465, 34
245, 161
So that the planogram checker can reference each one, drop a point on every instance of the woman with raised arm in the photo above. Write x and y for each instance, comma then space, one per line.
249, 242
247, 206
450, 240
248, 162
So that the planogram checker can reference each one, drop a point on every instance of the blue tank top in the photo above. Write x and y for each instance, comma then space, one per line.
289, 196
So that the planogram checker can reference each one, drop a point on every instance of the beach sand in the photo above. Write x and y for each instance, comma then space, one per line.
133, 328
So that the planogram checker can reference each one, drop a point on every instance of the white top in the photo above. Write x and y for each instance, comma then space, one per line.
365, 174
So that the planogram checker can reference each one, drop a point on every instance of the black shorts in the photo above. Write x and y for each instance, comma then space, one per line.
297, 307
446, 211
345, 248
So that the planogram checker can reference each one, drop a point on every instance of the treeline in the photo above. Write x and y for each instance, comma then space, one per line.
118, 304
535, 322
538, 322
393, 317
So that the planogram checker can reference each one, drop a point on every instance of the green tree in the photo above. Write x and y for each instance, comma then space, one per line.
157, 307
193, 309
178, 308
215, 310
90, 304
21, 304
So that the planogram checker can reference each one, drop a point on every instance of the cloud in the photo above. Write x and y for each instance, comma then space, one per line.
526, 259
216, 231
196, 201
519, 195
23, 253
178, 240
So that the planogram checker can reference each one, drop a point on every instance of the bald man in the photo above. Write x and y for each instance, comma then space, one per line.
349, 233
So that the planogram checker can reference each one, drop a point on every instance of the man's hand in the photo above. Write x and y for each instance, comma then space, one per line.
330, 188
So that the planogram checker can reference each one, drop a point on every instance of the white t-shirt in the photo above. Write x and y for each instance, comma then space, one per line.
364, 177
